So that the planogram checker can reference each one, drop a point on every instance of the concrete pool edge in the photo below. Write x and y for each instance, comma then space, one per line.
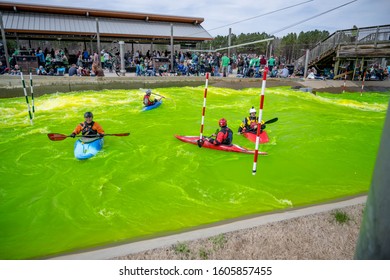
212, 230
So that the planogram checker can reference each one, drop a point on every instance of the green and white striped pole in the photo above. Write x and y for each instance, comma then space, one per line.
32, 96
25, 94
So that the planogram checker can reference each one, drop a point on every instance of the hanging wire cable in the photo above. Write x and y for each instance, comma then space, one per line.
240, 21
310, 18
287, 27
266, 14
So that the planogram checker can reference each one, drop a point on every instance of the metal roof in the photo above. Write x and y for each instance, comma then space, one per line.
34, 21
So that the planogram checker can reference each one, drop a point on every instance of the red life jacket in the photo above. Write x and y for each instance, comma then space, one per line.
224, 136
147, 101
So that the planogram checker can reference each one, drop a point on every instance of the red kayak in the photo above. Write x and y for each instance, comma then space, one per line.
207, 144
252, 136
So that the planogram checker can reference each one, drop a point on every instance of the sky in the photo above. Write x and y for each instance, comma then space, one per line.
273, 17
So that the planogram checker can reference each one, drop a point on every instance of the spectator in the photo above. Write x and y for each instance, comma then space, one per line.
263, 62
41, 58
283, 73
41, 70
97, 70
225, 60
3, 68
216, 64
72, 70
15, 70
271, 62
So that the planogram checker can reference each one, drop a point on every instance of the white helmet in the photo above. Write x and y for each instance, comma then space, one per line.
148, 91
252, 110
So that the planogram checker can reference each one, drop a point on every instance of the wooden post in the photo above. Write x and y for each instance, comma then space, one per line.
336, 67
376, 36
306, 63
354, 69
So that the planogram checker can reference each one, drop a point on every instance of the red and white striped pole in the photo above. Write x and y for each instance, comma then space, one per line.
254, 169
204, 107
364, 78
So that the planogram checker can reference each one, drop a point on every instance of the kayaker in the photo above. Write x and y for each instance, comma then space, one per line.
148, 100
88, 128
224, 135
249, 124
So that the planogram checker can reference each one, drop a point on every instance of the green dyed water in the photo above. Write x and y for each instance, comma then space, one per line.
322, 148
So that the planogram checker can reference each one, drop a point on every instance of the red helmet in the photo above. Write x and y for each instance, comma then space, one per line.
222, 122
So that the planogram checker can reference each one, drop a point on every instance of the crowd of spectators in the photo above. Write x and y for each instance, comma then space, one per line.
156, 63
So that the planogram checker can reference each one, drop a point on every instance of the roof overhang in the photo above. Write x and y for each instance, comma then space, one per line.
33, 22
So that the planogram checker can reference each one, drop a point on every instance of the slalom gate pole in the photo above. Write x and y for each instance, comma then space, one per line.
345, 78
254, 169
204, 106
364, 78
25, 94
32, 95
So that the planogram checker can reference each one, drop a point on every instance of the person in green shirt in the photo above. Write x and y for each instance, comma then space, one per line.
225, 61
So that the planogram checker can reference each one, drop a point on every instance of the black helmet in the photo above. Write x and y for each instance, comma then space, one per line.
88, 115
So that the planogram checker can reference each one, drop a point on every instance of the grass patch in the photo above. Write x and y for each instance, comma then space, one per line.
203, 254
181, 248
341, 217
218, 241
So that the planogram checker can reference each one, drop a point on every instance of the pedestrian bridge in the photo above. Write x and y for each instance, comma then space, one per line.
352, 47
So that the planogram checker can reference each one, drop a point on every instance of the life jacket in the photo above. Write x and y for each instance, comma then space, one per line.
147, 101
87, 128
224, 136
248, 123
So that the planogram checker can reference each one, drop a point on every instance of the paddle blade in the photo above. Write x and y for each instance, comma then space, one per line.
271, 121
56, 136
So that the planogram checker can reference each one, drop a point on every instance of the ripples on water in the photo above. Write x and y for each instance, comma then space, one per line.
323, 147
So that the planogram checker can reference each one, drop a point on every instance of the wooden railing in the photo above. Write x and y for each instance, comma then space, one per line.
367, 35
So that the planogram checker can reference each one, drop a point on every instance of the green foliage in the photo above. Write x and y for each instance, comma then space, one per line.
218, 241
181, 248
341, 217
203, 254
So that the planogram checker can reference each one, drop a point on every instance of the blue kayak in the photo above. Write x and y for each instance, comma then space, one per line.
85, 150
155, 105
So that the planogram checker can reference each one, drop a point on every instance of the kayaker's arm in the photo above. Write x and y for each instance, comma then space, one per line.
98, 128
77, 130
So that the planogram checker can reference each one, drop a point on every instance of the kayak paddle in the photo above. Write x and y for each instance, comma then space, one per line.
155, 93
60, 137
271, 121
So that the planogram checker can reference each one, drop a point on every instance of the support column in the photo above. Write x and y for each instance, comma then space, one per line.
354, 69
336, 67
98, 40
306, 63
229, 41
122, 55
172, 50
4, 40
